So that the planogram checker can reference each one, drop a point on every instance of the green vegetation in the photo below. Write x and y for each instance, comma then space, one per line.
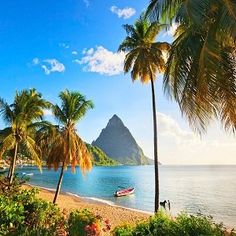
22, 213
145, 58
99, 157
200, 74
24, 117
183, 225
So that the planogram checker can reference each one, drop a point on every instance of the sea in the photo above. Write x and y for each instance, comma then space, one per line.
208, 190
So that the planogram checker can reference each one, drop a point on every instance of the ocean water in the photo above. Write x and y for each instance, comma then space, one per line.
195, 189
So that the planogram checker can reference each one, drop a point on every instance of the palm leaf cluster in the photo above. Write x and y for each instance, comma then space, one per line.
67, 146
145, 57
201, 69
23, 118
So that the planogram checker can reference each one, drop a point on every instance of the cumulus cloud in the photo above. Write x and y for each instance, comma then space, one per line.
52, 65
170, 129
102, 61
124, 13
74, 53
49, 65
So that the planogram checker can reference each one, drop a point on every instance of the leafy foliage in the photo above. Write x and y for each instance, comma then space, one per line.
201, 72
24, 117
21, 213
78, 220
85, 223
66, 146
144, 57
183, 225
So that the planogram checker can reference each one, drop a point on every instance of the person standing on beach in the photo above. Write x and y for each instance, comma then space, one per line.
168, 204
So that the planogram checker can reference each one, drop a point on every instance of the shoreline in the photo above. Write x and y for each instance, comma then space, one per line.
117, 215
90, 199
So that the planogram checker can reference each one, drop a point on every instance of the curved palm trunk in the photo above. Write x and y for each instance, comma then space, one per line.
155, 146
59, 183
13, 165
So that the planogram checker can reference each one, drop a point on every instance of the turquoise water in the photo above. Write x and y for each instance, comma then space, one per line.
207, 189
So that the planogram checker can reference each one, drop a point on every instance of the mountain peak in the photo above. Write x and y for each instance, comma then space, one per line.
115, 120
119, 144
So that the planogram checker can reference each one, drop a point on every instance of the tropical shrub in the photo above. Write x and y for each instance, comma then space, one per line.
183, 225
125, 230
21, 213
85, 223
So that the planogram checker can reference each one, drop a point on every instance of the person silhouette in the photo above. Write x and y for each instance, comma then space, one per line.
168, 204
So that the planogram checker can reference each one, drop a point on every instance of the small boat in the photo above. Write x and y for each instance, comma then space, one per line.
28, 174
124, 192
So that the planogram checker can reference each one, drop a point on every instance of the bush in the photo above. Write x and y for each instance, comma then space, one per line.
199, 225
21, 213
85, 223
81, 222
183, 225
125, 230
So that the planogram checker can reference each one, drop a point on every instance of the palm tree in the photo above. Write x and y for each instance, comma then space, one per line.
66, 147
201, 72
23, 116
145, 58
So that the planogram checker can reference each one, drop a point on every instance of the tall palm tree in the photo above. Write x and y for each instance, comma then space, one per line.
67, 148
23, 117
145, 58
201, 72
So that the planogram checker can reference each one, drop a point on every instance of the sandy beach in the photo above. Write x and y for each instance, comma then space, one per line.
116, 215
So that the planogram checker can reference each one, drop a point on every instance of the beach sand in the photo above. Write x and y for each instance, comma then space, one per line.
116, 215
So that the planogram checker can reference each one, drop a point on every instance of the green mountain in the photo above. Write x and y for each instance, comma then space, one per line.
99, 157
119, 144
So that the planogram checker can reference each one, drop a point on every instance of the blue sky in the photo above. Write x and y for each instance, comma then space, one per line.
53, 45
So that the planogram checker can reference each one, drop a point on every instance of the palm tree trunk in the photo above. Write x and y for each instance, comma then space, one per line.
13, 165
155, 146
59, 183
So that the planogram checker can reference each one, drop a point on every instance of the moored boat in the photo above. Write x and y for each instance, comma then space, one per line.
124, 192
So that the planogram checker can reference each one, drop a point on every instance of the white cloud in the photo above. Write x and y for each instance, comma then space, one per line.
74, 53
64, 45
52, 65
102, 61
77, 61
35, 61
87, 3
124, 13
49, 65
169, 128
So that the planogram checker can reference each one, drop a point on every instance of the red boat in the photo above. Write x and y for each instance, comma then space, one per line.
124, 192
